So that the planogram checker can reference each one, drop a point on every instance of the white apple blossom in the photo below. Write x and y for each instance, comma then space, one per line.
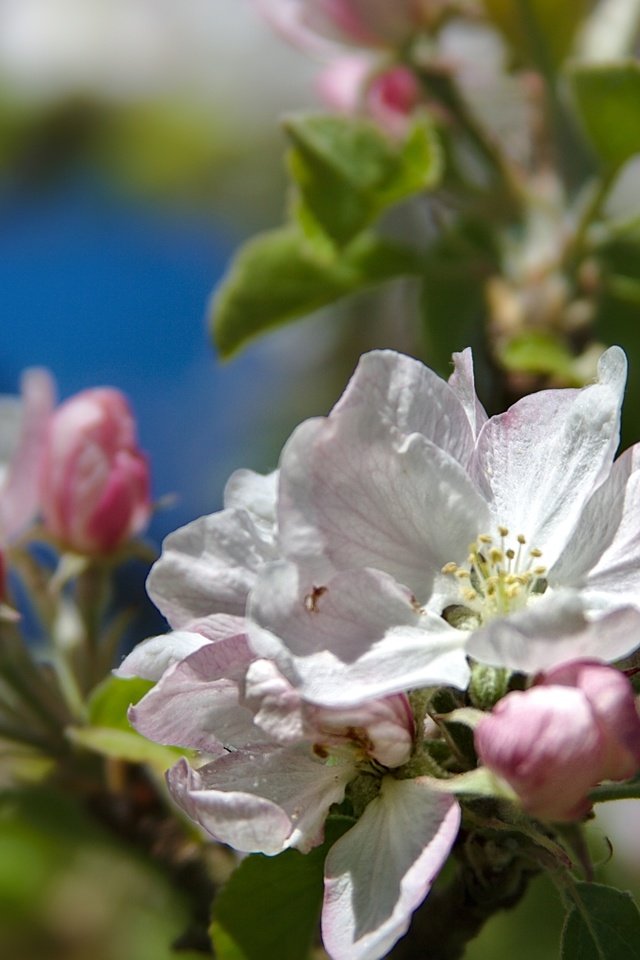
404, 535
407, 531
274, 766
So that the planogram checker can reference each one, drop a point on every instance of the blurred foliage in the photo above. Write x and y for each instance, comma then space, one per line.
68, 891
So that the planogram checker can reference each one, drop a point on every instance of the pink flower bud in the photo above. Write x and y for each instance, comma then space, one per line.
350, 85
315, 25
555, 741
95, 480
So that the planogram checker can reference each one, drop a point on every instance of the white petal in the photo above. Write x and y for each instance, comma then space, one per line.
462, 382
152, 657
19, 496
359, 638
255, 493
383, 868
552, 630
404, 508
276, 705
542, 459
196, 702
262, 800
609, 524
615, 579
389, 390
207, 567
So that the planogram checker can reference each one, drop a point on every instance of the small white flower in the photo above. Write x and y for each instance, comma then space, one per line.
429, 532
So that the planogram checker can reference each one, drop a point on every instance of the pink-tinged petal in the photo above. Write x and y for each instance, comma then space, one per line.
196, 702
342, 83
541, 460
262, 800
23, 452
257, 494
357, 637
275, 704
207, 567
152, 657
553, 629
402, 506
546, 744
217, 626
245, 821
383, 868
462, 382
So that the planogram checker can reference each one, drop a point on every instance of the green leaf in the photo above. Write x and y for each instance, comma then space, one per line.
606, 926
125, 745
111, 699
270, 907
348, 172
540, 353
538, 29
280, 276
607, 97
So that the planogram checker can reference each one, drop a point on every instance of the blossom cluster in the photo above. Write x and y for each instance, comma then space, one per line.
406, 542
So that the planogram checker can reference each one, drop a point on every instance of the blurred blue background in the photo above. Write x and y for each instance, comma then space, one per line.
104, 290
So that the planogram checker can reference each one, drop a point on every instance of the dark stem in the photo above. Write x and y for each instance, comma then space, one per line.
454, 914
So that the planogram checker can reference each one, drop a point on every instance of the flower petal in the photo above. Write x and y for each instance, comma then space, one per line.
541, 460
262, 800
382, 869
358, 637
24, 453
405, 508
462, 382
615, 578
609, 525
390, 390
196, 702
255, 493
554, 629
208, 566
276, 705
152, 657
